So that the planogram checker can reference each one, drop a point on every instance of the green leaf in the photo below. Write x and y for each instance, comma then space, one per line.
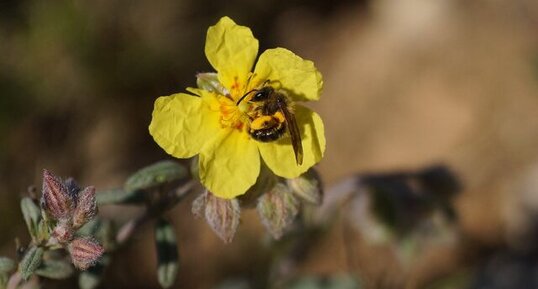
32, 215
119, 196
92, 277
6, 265
160, 173
31, 261
55, 269
167, 253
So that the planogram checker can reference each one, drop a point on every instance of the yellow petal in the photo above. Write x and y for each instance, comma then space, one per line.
231, 49
230, 165
290, 72
279, 155
182, 124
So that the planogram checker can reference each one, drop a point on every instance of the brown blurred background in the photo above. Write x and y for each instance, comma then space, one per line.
408, 83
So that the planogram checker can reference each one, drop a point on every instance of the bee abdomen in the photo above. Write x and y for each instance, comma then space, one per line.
269, 134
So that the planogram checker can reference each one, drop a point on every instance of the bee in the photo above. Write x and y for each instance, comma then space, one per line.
271, 117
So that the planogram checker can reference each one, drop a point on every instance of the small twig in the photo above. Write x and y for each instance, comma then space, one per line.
163, 205
14, 281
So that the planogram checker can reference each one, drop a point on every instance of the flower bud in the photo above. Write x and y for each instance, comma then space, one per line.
307, 187
56, 200
277, 209
222, 216
86, 207
85, 252
63, 232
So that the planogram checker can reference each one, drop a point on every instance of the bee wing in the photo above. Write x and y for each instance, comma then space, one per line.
294, 133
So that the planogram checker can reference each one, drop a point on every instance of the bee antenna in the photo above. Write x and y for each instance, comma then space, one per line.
242, 97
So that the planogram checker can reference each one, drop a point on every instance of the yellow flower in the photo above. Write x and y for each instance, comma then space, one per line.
211, 124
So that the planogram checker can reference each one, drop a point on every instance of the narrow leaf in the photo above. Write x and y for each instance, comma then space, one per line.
31, 214
155, 175
31, 261
277, 209
120, 196
222, 216
6, 265
55, 269
167, 253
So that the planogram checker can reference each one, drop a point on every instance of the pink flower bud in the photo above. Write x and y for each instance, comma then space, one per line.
55, 200
63, 232
85, 252
86, 207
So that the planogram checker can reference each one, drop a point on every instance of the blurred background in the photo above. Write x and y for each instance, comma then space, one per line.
408, 84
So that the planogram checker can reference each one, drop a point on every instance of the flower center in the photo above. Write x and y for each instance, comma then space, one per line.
230, 114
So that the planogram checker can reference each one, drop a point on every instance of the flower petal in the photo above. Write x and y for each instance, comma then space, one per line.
230, 165
231, 49
297, 76
279, 155
182, 123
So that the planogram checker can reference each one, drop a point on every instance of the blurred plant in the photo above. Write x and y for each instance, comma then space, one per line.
54, 230
407, 209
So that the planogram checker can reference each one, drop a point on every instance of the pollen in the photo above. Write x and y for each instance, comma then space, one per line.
230, 115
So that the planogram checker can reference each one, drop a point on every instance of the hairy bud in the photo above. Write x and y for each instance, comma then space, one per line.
56, 200
63, 232
277, 209
85, 252
222, 216
307, 187
86, 207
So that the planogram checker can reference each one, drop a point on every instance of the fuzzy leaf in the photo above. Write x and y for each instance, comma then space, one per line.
222, 215
120, 196
31, 214
55, 269
167, 253
6, 265
31, 261
277, 209
155, 175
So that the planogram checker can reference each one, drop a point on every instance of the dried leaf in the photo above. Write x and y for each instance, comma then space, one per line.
222, 216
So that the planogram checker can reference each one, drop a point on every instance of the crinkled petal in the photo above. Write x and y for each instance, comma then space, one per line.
182, 123
230, 165
290, 72
231, 49
279, 155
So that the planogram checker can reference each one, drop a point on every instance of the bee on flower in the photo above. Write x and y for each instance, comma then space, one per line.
244, 114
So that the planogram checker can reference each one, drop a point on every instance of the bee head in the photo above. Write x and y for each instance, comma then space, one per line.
260, 94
